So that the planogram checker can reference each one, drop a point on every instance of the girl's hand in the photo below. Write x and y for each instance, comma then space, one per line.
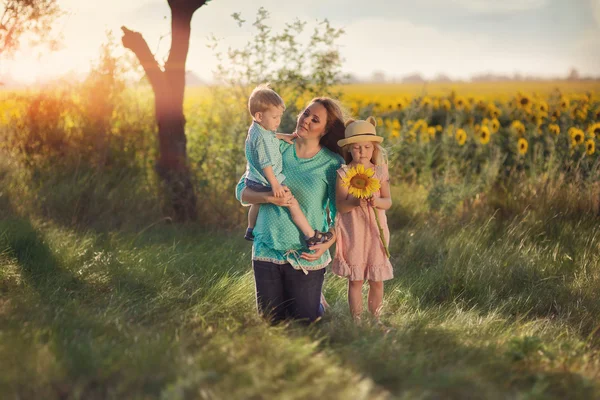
363, 202
371, 202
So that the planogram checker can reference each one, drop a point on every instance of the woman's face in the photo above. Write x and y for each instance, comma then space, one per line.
312, 122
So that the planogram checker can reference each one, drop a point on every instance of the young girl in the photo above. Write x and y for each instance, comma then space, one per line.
360, 254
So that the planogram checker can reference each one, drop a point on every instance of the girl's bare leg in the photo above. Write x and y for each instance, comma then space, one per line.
355, 298
375, 297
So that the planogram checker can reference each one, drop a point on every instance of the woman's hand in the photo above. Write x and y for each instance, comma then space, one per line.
285, 201
318, 250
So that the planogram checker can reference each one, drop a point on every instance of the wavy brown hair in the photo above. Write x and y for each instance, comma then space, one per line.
334, 128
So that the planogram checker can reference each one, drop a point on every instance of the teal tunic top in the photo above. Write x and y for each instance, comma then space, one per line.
312, 182
262, 150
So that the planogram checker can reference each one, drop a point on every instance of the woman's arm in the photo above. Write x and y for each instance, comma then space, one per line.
343, 202
249, 196
319, 249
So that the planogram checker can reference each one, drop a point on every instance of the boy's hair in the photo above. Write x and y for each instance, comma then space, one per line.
263, 97
379, 154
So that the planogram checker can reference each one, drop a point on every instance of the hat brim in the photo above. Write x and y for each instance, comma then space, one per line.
357, 139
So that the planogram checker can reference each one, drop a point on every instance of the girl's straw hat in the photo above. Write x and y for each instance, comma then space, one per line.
360, 131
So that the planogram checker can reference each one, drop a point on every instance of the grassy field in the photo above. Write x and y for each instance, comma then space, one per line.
495, 243
480, 307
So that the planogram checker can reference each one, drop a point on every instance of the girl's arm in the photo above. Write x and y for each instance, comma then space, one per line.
343, 202
251, 197
385, 201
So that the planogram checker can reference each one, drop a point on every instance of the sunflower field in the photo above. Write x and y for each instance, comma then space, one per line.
461, 140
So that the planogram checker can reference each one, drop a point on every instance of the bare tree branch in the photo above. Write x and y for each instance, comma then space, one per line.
135, 42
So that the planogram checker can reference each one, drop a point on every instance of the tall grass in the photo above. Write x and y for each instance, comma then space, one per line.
480, 307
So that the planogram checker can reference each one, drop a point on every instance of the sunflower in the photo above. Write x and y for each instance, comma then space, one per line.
555, 115
460, 103
590, 147
484, 135
554, 129
543, 107
522, 144
395, 133
461, 136
564, 103
431, 131
597, 114
396, 124
446, 105
518, 127
577, 136
360, 182
426, 102
594, 130
523, 102
494, 125
493, 111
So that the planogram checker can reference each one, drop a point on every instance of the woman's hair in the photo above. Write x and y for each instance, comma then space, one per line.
334, 129
379, 154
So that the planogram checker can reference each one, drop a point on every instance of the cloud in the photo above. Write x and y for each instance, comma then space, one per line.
400, 47
504, 6
596, 10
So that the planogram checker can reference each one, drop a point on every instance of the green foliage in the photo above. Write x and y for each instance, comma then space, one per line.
298, 70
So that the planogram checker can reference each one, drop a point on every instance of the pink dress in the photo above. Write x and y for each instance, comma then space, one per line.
359, 253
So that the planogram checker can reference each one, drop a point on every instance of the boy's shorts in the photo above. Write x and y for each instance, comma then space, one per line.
257, 186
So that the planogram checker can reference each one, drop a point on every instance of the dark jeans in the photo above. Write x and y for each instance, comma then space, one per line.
284, 292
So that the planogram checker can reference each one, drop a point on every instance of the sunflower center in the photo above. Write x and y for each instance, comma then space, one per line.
597, 131
359, 181
524, 101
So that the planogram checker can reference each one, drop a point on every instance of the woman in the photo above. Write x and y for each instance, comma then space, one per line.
289, 277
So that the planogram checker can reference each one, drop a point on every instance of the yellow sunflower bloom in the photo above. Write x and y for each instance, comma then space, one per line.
594, 130
460, 103
577, 136
493, 111
523, 102
431, 131
494, 125
445, 104
553, 128
590, 147
461, 136
522, 145
360, 182
518, 127
484, 135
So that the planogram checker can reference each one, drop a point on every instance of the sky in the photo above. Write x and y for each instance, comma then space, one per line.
458, 38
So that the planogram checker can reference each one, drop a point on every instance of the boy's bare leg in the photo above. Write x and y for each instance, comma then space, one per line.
252, 216
300, 219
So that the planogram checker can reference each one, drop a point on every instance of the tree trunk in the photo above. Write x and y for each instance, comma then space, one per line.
168, 86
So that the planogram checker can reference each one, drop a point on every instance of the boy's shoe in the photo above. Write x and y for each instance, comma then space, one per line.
249, 235
319, 237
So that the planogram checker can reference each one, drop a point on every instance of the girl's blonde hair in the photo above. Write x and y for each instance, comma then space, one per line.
379, 154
